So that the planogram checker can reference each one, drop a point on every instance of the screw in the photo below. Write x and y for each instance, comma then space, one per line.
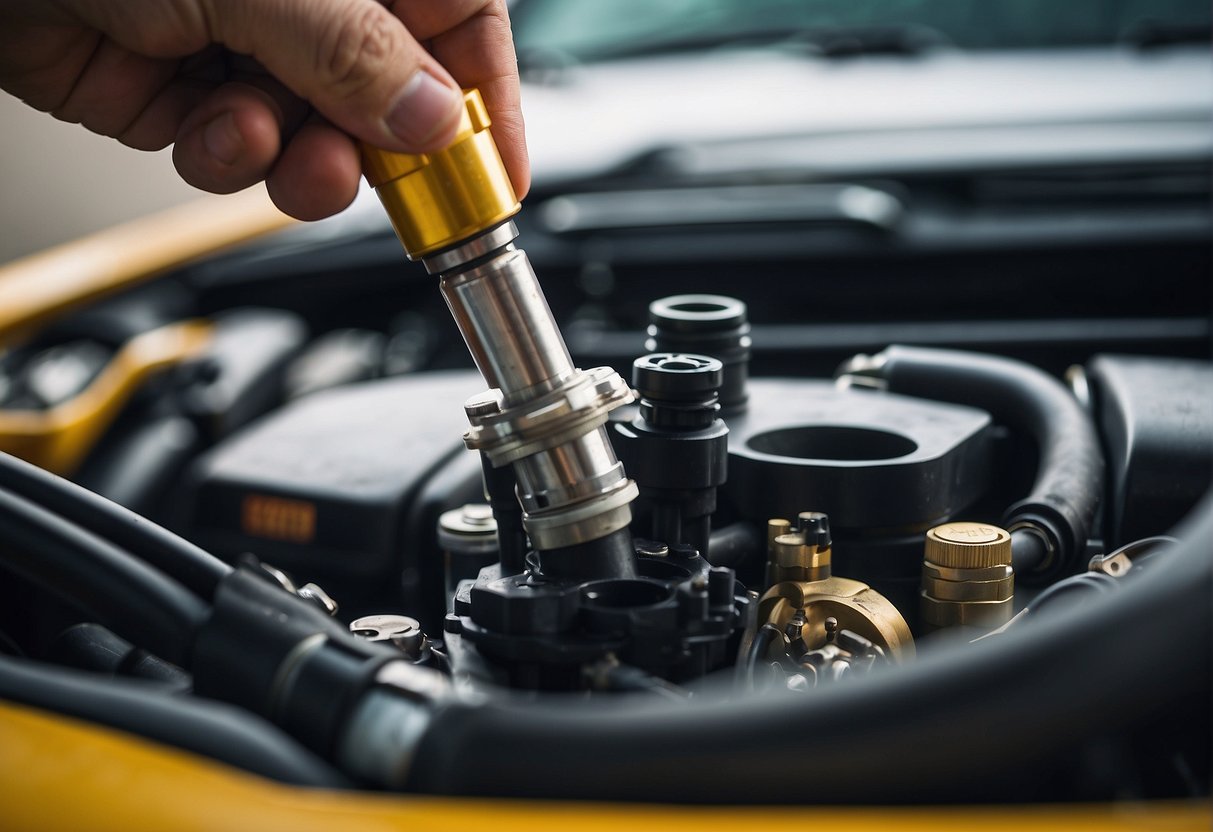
483, 404
795, 628
312, 592
652, 548
477, 514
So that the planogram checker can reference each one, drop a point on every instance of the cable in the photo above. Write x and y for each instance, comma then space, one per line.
214, 730
956, 724
1069, 478
127, 595
196, 569
757, 651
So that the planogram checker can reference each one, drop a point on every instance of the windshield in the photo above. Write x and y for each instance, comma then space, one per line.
603, 29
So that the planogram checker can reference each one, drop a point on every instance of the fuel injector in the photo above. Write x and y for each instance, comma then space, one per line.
545, 417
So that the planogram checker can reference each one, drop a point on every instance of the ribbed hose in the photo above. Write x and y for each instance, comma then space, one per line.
1049, 526
962, 724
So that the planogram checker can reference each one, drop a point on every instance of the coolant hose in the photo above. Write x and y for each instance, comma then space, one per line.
1049, 526
960, 724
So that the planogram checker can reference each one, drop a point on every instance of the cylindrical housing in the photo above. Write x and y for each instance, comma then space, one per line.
437, 200
468, 538
508, 327
576, 470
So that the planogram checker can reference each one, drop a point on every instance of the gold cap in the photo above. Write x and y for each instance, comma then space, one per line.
968, 546
436, 200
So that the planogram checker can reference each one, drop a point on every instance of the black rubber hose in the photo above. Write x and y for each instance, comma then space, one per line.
1069, 474
91, 647
962, 724
125, 594
211, 729
196, 569
737, 545
757, 651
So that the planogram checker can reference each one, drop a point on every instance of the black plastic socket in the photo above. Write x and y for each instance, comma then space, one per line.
676, 448
712, 325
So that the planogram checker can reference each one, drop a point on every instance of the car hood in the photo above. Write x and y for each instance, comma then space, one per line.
747, 110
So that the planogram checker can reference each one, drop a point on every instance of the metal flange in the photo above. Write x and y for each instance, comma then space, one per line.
579, 405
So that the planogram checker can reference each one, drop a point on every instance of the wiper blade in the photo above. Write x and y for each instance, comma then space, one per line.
1153, 34
825, 42
844, 42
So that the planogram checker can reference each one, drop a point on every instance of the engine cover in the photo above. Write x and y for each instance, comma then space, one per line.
870, 460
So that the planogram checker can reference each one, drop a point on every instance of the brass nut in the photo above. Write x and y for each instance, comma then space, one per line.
966, 591
986, 615
944, 573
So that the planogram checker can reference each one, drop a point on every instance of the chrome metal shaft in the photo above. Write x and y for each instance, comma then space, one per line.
549, 422
506, 322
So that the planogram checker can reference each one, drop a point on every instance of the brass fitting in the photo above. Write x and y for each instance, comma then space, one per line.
437, 200
801, 554
810, 606
967, 579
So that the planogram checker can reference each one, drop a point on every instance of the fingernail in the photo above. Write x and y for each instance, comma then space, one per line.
424, 107
222, 140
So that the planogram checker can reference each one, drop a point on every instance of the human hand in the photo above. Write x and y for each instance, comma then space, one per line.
268, 89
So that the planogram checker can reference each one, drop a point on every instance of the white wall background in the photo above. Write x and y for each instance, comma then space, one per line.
58, 181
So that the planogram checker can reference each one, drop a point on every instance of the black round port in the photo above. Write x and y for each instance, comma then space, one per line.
825, 442
625, 594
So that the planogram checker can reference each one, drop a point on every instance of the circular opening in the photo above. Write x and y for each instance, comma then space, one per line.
678, 364
698, 307
821, 442
616, 595
697, 310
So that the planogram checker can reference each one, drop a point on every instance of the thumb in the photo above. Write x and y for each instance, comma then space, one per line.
353, 60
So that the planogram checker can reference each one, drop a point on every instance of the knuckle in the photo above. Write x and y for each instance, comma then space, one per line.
357, 49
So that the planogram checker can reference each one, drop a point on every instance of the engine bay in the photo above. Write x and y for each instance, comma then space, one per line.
792, 538
821, 510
